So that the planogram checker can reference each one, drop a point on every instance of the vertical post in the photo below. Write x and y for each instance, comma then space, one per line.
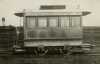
20, 21
3, 21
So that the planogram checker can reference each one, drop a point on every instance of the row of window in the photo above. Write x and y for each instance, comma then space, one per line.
53, 21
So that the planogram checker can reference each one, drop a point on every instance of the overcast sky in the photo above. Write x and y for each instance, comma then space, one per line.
9, 7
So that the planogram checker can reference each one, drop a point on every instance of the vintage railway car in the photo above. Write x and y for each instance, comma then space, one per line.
48, 30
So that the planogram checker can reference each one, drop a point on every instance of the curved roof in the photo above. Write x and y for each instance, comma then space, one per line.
45, 13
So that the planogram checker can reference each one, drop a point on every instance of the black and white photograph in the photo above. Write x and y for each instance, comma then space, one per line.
49, 32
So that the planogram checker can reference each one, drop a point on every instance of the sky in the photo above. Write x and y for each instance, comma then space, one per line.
9, 7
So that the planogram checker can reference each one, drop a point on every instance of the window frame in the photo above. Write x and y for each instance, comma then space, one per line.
71, 22
38, 21
27, 24
57, 21
60, 21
